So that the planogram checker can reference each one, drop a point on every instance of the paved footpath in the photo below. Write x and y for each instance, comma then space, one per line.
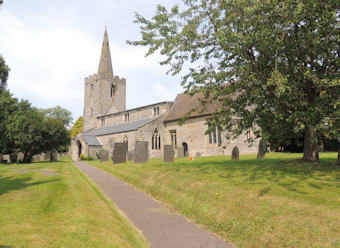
160, 227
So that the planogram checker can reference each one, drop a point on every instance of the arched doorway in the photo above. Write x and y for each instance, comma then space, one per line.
79, 149
185, 149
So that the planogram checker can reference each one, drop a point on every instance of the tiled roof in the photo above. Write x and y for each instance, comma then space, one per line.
92, 140
126, 127
189, 106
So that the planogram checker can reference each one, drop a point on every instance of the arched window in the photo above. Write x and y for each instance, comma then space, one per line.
215, 136
156, 140
125, 139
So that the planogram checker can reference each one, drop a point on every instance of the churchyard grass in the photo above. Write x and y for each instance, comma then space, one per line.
276, 202
53, 204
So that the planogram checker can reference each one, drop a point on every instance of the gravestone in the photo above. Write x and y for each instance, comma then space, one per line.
13, 157
58, 156
119, 153
20, 156
198, 154
6, 158
46, 156
169, 154
180, 152
130, 155
235, 154
141, 152
262, 150
104, 156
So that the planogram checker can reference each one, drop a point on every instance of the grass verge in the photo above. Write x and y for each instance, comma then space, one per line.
53, 204
276, 202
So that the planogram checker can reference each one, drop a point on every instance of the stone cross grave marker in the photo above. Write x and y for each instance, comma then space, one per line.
169, 154
119, 153
141, 152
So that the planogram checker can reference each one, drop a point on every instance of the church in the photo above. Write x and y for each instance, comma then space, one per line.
106, 120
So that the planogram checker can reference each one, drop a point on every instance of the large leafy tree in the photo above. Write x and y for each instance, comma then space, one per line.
272, 65
77, 127
4, 69
58, 113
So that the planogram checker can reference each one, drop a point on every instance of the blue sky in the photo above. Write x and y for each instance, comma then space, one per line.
51, 46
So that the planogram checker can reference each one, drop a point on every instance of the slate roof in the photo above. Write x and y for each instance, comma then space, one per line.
126, 127
189, 106
92, 140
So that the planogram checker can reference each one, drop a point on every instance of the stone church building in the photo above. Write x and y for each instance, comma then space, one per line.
106, 120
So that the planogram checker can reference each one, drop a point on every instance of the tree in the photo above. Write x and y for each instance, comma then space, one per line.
58, 113
4, 69
77, 127
273, 66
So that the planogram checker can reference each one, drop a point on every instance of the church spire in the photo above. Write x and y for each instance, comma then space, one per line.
105, 64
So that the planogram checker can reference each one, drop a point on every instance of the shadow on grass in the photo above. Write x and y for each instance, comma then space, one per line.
8, 184
287, 173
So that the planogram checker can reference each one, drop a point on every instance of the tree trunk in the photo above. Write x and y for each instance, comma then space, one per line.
339, 157
310, 146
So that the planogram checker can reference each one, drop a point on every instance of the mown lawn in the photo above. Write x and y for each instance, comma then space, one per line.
55, 205
276, 202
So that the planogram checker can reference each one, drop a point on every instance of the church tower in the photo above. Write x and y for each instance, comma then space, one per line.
104, 92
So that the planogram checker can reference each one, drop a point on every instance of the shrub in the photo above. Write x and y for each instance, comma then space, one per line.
82, 156
89, 158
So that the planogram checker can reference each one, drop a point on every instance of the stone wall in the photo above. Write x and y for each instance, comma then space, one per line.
193, 134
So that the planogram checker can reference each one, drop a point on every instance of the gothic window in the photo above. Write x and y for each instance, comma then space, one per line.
113, 89
215, 136
156, 140
156, 111
173, 136
102, 122
127, 117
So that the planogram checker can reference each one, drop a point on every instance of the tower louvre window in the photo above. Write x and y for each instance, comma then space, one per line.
113, 89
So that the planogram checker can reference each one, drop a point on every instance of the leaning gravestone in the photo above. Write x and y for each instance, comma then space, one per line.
235, 154
180, 152
20, 156
104, 156
141, 152
119, 153
169, 154
262, 150
130, 155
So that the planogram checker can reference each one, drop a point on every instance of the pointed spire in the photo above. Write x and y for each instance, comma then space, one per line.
105, 64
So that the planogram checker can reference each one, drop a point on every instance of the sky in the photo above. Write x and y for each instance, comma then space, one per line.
51, 46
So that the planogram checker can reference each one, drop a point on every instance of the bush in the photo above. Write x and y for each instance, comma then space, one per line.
99, 153
82, 157
89, 158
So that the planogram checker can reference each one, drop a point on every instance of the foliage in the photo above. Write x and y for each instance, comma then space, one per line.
4, 69
99, 153
273, 66
277, 202
88, 158
82, 156
8, 106
24, 129
77, 127
58, 113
